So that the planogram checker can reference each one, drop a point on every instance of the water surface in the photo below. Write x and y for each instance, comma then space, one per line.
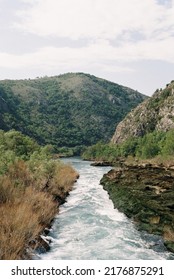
88, 227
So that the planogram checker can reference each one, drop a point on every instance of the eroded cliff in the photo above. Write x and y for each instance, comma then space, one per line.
155, 113
145, 194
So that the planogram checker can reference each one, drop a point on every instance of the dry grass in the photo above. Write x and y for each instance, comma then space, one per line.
168, 233
63, 179
42, 204
25, 209
7, 190
167, 161
19, 224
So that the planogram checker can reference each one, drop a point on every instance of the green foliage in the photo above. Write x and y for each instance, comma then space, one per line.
7, 157
32, 186
101, 151
147, 147
168, 145
72, 110
129, 147
15, 146
22, 146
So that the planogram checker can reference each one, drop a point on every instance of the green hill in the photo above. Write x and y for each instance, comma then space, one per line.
69, 110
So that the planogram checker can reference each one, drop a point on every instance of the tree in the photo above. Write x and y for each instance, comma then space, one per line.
168, 147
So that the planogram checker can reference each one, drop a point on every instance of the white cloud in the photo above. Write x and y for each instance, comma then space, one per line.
99, 53
31, 2
120, 31
95, 18
96, 36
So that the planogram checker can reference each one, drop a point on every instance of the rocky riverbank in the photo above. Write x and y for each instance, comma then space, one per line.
145, 193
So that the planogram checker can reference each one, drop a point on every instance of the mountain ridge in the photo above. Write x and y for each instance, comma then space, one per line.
68, 110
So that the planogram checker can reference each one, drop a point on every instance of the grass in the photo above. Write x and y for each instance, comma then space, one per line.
28, 204
19, 224
63, 180
167, 161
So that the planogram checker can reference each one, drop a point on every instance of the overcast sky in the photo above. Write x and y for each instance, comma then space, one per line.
130, 42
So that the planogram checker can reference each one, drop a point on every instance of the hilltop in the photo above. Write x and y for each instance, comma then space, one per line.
69, 110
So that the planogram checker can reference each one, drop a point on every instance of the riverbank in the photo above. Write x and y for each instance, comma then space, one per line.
28, 206
145, 193
32, 187
89, 227
58, 189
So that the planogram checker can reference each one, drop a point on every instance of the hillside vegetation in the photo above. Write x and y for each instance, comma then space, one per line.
145, 133
70, 110
32, 186
158, 146
154, 114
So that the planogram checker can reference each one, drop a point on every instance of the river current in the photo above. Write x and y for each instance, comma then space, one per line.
88, 227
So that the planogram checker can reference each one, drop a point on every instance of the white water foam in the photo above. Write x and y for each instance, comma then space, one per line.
88, 226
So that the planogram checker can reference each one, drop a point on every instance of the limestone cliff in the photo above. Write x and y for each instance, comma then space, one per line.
155, 113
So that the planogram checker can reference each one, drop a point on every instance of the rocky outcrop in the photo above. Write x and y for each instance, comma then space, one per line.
145, 194
100, 163
155, 113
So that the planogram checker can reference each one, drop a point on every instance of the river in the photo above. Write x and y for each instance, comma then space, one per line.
88, 227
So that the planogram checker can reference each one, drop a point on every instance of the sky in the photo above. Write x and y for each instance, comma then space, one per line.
129, 42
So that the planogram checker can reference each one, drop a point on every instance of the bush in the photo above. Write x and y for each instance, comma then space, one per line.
146, 147
30, 180
168, 144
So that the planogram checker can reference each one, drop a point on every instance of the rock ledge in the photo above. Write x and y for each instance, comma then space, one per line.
145, 194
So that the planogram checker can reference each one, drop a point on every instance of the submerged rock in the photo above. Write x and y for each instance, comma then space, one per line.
145, 194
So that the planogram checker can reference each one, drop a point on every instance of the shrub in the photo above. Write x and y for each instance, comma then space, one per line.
29, 183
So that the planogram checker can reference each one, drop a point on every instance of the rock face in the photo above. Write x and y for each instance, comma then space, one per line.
155, 113
146, 194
